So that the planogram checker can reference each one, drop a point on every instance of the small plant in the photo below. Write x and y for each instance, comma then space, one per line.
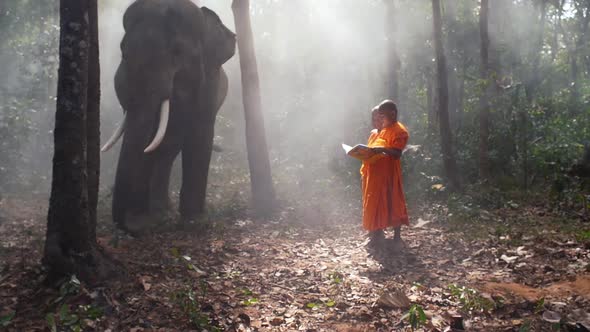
69, 287
416, 316
69, 320
188, 302
470, 299
525, 327
336, 277
540, 305
583, 236
250, 301
66, 318
5, 320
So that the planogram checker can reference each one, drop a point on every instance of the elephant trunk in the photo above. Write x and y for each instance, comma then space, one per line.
131, 194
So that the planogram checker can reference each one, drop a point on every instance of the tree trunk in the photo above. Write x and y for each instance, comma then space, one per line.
93, 117
68, 227
263, 194
449, 162
530, 89
455, 49
461, 95
393, 60
430, 102
484, 103
70, 246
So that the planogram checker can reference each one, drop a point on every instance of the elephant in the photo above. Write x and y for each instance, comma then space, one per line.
170, 84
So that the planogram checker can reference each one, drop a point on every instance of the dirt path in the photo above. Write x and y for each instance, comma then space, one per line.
278, 276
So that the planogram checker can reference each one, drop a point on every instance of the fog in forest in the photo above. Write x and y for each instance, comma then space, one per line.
323, 65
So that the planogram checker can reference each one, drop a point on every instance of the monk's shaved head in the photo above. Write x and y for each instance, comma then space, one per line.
389, 108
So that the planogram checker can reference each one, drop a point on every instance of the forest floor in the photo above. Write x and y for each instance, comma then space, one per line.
513, 269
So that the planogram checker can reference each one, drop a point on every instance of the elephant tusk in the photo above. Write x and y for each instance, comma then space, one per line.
161, 132
116, 136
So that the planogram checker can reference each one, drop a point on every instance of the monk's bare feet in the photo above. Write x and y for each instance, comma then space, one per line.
376, 238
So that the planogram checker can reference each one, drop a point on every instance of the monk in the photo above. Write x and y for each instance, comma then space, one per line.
384, 204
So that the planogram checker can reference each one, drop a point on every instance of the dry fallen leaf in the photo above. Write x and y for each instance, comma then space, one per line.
508, 259
277, 321
396, 300
551, 316
144, 282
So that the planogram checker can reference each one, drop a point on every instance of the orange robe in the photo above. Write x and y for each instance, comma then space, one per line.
384, 203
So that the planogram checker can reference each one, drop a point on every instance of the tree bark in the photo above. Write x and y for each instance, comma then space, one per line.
393, 59
68, 227
430, 102
449, 163
70, 245
263, 194
484, 102
93, 117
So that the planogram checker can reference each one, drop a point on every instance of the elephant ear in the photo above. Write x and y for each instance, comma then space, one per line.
218, 41
181, 28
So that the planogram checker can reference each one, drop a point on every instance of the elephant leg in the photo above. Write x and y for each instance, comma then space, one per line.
196, 155
198, 144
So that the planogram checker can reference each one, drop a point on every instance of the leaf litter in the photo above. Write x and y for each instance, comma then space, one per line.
284, 276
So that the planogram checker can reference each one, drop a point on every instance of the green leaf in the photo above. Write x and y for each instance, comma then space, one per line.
330, 303
175, 252
64, 310
311, 305
540, 305
93, 312
50, 319
5, 320
525, 327
250, 301
247, 292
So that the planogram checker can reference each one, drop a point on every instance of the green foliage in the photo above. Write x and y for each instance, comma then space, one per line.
470, 299
336, 277
66, 318
5, 320
188, 302
525, 327
68, 287
70, 320
415, 316
28, 71
319, 304
583, 235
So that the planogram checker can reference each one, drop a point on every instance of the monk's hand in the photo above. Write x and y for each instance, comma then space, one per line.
378, 150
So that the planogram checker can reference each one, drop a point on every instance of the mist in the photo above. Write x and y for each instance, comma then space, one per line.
322, 65
316, 93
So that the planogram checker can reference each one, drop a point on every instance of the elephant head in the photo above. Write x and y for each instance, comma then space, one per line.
168, 49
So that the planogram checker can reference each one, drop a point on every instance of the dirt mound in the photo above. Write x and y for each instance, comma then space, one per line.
562, 289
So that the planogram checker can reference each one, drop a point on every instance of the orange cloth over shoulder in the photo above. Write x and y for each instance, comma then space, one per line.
384, 203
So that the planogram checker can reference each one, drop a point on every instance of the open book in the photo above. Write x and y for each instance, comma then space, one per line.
359, 151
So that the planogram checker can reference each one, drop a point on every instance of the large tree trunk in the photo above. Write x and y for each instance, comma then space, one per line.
449, 163
263, 194
393, 59
93, 117
70, 246
455, 47
484, 103
68, 227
